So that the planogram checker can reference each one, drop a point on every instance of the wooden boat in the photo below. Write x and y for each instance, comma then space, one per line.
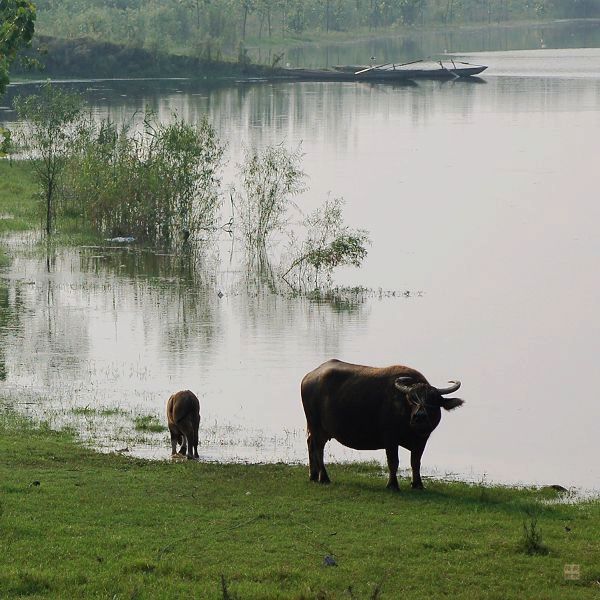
388, 72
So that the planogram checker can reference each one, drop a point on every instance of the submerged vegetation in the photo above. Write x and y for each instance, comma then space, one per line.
50, 125
233, 530
270, 179
160, 184
328, 243
149, 423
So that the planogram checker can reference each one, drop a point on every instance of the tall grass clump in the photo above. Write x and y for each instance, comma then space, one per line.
531, 541
269, 181
160, 184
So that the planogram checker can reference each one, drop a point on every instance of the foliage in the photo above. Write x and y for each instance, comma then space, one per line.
148, 423
270, 180
192, 26
159, 184
17, 189
5, 141
183, 528
329, 243
20, 206
50, 121
17, 22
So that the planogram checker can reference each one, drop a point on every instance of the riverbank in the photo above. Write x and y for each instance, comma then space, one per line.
75, 523
90, 58
21, 208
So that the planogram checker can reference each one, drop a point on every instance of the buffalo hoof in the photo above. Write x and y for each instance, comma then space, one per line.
393, 487
417, 486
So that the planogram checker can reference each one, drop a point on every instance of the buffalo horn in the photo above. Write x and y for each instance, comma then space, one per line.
399, 383
449, 390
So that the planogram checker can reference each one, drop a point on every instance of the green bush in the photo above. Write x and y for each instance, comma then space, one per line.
160, 185
270, 179
328, 244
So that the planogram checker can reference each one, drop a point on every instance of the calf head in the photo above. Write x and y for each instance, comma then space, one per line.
424, 402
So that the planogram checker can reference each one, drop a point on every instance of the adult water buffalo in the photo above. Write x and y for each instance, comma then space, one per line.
368, 408
183, 418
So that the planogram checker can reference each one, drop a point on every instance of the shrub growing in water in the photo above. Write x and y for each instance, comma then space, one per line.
329, 243
51, 119
270, 179
160, 185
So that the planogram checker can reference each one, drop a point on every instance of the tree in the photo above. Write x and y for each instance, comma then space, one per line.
17, 19
49, 119
329, 243
270, 179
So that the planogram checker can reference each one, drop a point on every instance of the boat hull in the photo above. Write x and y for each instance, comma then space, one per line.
400, 74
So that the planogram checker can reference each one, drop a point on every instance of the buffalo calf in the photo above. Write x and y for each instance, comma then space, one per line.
183, 418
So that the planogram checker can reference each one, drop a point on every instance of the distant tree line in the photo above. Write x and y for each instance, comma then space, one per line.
208, 28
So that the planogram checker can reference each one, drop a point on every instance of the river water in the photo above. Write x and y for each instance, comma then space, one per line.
481, 202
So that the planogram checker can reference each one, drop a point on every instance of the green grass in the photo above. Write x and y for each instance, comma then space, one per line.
89, 411
77, 524
148, 423
21, 209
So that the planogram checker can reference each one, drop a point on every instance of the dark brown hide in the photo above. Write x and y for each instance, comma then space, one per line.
183, 418
368, 408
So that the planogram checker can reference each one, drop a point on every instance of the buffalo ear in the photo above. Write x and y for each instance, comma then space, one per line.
451, 403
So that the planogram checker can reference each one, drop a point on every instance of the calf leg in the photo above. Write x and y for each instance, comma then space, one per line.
188, 440
415, 463
196, 455
393, 462
175, 439
183, 443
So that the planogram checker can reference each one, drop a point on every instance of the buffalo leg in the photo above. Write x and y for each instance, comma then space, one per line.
319, 446
312, 459
316, 446
415, 463
393, 462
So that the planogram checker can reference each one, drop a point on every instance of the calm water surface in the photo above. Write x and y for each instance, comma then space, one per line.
482, 202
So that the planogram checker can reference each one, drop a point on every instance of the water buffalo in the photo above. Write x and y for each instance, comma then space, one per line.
183, 418
368, 408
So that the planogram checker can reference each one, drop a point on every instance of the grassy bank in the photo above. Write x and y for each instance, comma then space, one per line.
74, 523
21, 208
87, 57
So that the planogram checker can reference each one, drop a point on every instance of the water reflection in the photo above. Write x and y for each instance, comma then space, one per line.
480, 202
123, 327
